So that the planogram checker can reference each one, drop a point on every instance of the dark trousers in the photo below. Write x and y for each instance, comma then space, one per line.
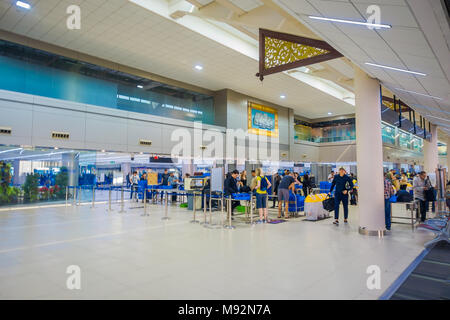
275, 198
134, 188
387, 213
422, 209
338, 198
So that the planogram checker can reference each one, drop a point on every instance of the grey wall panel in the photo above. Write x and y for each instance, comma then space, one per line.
343, 152
46, 120
17, 116
106, 132
143, 130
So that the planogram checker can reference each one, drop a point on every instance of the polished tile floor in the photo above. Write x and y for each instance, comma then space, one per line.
128, 256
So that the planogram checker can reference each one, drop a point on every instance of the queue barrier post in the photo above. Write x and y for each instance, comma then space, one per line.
122, 204
205, 223
93, 196
193, 209
145, 214
166, 207
229, 210
67, 194
109, 200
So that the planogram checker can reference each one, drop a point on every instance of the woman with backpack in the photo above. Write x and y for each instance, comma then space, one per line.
262, 185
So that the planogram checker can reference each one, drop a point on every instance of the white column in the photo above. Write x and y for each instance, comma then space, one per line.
430, 151
369, 154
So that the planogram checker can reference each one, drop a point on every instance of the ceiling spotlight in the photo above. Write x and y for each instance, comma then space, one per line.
283, 96
395, 69
330, 113
140, 86
198, 67
374, 25
103, 150
56, 148
23, 5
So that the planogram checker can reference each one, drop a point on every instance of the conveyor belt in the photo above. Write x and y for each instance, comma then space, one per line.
430, 279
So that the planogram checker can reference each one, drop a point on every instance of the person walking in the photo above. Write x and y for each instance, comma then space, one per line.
388, 193
262, 185
287, 183
343, 184
420, 184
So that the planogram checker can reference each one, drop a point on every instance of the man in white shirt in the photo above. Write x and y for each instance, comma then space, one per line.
331, 177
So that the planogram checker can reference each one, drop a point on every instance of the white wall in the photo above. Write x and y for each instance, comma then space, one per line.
33, 118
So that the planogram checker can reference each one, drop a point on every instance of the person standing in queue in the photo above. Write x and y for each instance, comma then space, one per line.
262, 185
165, 178
287, 183
420, 184
276, 184
134, 181
343, 184
388, 193
230, 187
306, 185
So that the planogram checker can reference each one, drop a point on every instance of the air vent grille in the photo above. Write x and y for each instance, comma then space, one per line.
60, 135
143, 142
5, 130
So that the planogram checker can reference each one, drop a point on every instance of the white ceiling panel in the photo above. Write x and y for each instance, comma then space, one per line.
119, 31
415, 42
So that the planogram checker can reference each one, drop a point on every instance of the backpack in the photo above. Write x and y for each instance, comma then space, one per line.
263, 184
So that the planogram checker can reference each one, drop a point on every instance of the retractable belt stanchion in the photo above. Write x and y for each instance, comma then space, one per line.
210, 224
145, 214
80, 196
67, 194
93, 197
229, 210
122, 204
251, 208
166, 208
205, 223
109, 200
193, 209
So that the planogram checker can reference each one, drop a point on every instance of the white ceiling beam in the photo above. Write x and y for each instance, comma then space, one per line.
195, 3
231, 6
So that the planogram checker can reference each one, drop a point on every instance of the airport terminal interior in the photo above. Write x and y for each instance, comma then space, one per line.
224, 149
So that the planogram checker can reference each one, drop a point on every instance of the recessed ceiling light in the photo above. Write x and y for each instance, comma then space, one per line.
395, 69
140, 86
330, 113
283, 96
375, 25
103, 150
56, 148
420, 94
198, 67
23, 5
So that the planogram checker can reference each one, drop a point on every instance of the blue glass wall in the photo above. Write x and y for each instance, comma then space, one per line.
25, 77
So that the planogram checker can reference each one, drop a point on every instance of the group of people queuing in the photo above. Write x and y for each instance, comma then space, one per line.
258, 184
167, 179
424, 188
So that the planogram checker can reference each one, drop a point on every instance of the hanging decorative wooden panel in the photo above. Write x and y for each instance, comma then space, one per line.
281, 51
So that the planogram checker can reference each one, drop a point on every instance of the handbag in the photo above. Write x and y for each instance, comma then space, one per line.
328, 204
430, 194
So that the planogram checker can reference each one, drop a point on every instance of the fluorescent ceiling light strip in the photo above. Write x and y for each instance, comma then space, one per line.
420, 94
23, 5
375, 25
395, 69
